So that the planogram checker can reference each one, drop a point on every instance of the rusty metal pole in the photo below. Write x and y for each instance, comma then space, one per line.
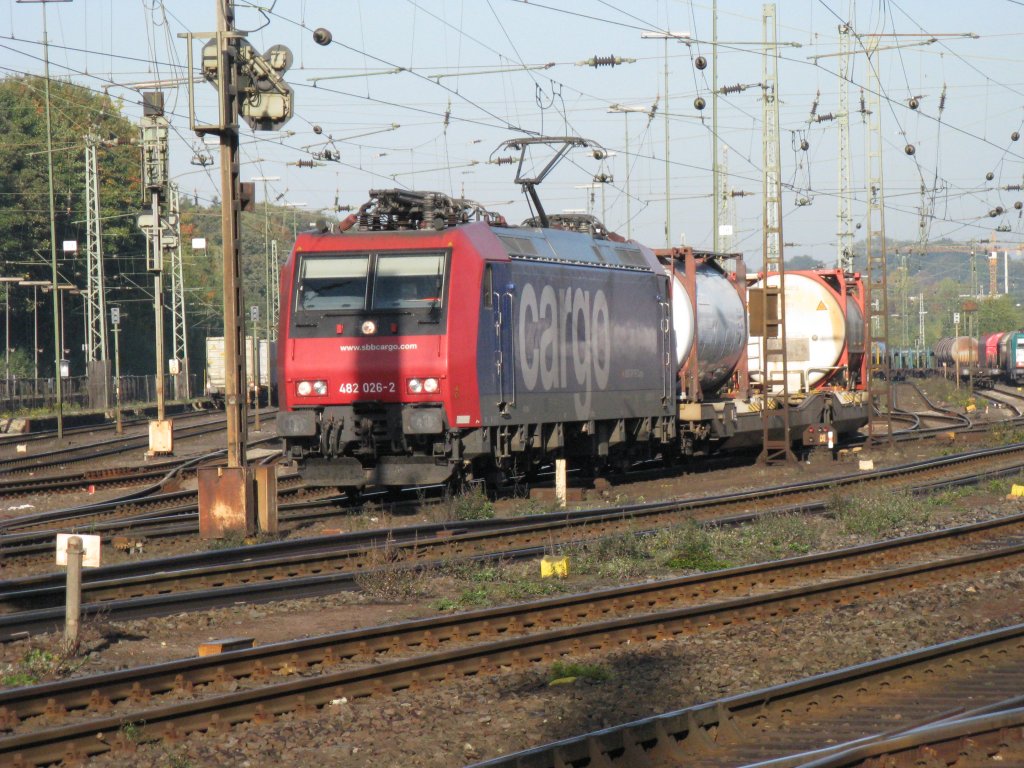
73, 600
234, 329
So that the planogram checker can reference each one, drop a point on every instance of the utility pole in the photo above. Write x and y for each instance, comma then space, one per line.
844, 216
276, 288
115, 320
270, 274
97, 360
666, 36
58, 351
230, 182
776, 439
179, 328
154, 127
649, 111
251, 86
876, 283
716, 183
725, 226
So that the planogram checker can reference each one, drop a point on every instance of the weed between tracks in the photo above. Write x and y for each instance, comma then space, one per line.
879, 514
39, 665
685, 548
569, 670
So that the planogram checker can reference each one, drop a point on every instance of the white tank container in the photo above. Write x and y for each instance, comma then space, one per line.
816, 333
721, 326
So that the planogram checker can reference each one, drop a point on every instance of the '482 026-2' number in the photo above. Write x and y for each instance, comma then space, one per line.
366, 387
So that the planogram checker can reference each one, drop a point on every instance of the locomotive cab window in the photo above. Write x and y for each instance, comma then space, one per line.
333, 282
408, 281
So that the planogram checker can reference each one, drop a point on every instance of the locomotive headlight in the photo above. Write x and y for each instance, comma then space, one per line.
415, 386
368, 327
430, 385
307, 388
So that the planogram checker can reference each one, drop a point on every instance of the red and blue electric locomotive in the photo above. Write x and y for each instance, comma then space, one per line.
430, 340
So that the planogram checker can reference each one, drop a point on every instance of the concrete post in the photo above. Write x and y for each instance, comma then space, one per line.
73, 607
560, 483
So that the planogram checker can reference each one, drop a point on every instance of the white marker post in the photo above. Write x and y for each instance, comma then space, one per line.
75, 551
560, 484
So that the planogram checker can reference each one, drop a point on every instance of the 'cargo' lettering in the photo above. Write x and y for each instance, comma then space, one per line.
565, 341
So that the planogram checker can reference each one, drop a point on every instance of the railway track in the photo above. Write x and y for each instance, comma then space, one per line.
926, 416
132, 508
908, 710
321, 565
127, 421
1005, 397
62, 457
75, 718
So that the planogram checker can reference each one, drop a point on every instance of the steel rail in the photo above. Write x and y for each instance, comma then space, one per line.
302, 567
730, 731
792, 573
108, 447
10, 438
93, 736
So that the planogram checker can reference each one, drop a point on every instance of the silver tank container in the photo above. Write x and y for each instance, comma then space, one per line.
721, 326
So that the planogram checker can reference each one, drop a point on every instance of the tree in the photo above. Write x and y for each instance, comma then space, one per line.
999, 313
24, 210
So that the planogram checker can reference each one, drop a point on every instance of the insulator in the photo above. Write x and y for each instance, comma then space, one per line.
322, 36
699, 103
858, 225
502, 160
317, 130
700, 62
306, 164
1018, 205
913, 103
804, 145
942, 99
814, 104
725, 90
989, 176
910, 149
1000, 210
604, 61
824, 118
993, 213
1014, 136
1012, 187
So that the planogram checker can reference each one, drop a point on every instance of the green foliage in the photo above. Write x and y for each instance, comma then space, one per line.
494, 584
76, 112
999, 313
1006, 434
595, 673
471, 504
36, 666
694, 550
179, 760
392, 582
878, 514
132, 731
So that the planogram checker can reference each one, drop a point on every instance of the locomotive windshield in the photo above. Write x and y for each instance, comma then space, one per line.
408, 281
376, 281
333, 282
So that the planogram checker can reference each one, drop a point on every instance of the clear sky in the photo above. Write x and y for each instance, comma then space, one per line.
470, 78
